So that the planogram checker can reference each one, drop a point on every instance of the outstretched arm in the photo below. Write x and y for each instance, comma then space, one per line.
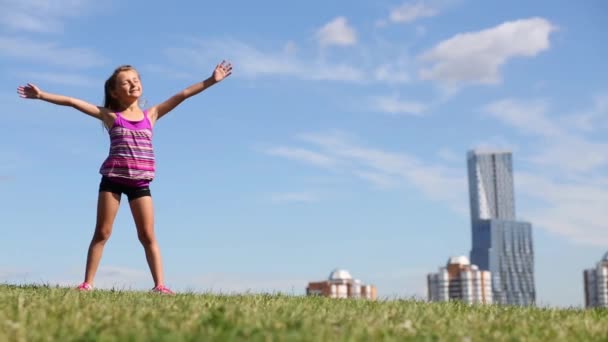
30, 91
222, 70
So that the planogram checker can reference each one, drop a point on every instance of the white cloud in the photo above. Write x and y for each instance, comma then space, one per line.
252, 62
476, 57
565, 176
336, 32
560, 146
378, 179
528, 117
591, 119
303, 155
394, 105
59, 78
386, 169
49, 53
575, 210
41, 16
392, 73
409, 12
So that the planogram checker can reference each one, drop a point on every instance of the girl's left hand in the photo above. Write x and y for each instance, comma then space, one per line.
222, 71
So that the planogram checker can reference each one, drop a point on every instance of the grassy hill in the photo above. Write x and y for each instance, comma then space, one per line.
33, 313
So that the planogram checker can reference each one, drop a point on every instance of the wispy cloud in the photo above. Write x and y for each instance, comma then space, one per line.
560, 146
575, 210
570, 196
384, 169
58, 78
409, 12
303, 155
527, 117
252, 62
41, 16
49, 53
287, 61
476, 57
396, 106
337, 32
591, 119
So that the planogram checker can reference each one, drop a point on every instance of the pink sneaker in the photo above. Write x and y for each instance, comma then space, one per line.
85, 287
161, 289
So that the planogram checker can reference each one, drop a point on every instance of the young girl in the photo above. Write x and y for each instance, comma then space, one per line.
129, 168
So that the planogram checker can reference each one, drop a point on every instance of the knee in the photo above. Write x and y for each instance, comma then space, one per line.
146, 237
102, 233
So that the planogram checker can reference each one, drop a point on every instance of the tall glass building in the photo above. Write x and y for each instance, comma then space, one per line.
501, 244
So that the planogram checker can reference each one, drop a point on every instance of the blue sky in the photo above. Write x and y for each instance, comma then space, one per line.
340, 140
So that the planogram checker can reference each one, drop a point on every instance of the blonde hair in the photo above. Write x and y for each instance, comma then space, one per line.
109, 101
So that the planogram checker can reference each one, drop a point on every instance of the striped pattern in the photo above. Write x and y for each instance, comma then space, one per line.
131, 153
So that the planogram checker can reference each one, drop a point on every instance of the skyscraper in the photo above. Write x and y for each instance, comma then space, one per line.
501, 244
459, 280
596, 284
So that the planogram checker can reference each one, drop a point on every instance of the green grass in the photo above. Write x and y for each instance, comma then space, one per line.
34, 313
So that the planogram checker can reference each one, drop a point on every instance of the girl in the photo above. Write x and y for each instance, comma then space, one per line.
129, 168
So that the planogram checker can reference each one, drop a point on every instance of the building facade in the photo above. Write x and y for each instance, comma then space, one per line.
500, 243
596, 284
459, 280
341, 284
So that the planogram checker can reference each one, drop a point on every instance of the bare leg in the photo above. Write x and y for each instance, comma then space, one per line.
143, 213
107, 207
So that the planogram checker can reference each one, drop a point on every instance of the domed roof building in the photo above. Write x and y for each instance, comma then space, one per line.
339, 274
459, 280
340, 284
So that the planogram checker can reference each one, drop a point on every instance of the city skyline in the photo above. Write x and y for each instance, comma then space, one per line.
340, 139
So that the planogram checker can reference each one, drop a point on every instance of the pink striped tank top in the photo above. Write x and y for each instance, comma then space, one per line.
131, 157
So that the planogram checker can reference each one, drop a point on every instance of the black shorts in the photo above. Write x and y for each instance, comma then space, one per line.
132, 192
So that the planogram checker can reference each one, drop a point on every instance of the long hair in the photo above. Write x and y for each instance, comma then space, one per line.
109, 101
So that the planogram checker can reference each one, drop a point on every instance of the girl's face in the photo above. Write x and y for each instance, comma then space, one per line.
128, 86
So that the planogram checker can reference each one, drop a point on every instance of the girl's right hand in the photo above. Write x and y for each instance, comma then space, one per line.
29, 91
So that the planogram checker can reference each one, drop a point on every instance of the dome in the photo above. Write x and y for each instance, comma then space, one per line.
462, 260
339, 274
